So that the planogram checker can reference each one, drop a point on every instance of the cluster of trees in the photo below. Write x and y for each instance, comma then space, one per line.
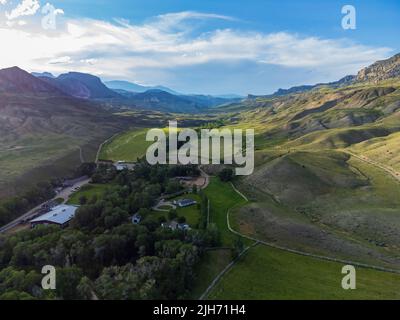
226, 174
16, 206
102, 253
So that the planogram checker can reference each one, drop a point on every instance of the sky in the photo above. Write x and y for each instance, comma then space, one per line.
199, 46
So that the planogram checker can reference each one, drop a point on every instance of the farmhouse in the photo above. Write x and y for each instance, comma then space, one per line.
173, 225
136, 219
59, 215
185, 203
122, 165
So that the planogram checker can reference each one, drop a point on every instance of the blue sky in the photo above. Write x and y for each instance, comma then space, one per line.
201, 46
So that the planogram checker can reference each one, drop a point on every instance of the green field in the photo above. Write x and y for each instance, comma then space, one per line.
222, 198
267, 273
88, 191
270, 274
128, 146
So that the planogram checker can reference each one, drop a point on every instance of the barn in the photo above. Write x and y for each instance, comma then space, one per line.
59, 215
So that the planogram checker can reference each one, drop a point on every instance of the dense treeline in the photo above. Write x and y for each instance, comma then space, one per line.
16, 206
102, 254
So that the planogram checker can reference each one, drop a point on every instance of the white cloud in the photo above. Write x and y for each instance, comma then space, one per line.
61, 60
24, 8
122, 49
3, 1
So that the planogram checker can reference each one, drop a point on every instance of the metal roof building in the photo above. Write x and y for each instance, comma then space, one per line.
59, 215
186, 202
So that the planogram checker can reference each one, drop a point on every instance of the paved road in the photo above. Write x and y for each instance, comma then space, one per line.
206, 178
64, 194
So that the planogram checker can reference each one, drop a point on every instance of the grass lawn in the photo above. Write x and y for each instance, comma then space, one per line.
88, 191
222, 197
126, 147
192, 213
270, 274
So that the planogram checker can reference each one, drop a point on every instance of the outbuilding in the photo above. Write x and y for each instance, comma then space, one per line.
60, 215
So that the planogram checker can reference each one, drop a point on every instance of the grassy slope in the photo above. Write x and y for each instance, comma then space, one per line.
29, 152
319, 192
266, 273
126, 147
385, 150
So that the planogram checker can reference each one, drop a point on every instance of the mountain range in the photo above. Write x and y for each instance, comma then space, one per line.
133, 87
80, 85
43, 118
130, 95
379, 71
43, 129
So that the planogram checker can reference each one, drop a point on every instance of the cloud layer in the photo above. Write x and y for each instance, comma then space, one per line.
159, 47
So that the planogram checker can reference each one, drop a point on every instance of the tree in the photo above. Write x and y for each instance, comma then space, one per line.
226, 175
173, 187
181, 220
68, 280
85, 169
238, 247
82, 200
172, 214
85, 289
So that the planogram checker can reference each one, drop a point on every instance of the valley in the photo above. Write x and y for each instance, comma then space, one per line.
325, 190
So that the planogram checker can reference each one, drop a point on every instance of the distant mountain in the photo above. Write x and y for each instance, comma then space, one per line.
304, 88
133, 87
160, 100
81, 85
15, 80
42, 130
163, 101
229, 96
43, 74
381, 70
209, 101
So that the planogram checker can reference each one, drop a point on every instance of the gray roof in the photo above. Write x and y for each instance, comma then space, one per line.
186, 202
59, 215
